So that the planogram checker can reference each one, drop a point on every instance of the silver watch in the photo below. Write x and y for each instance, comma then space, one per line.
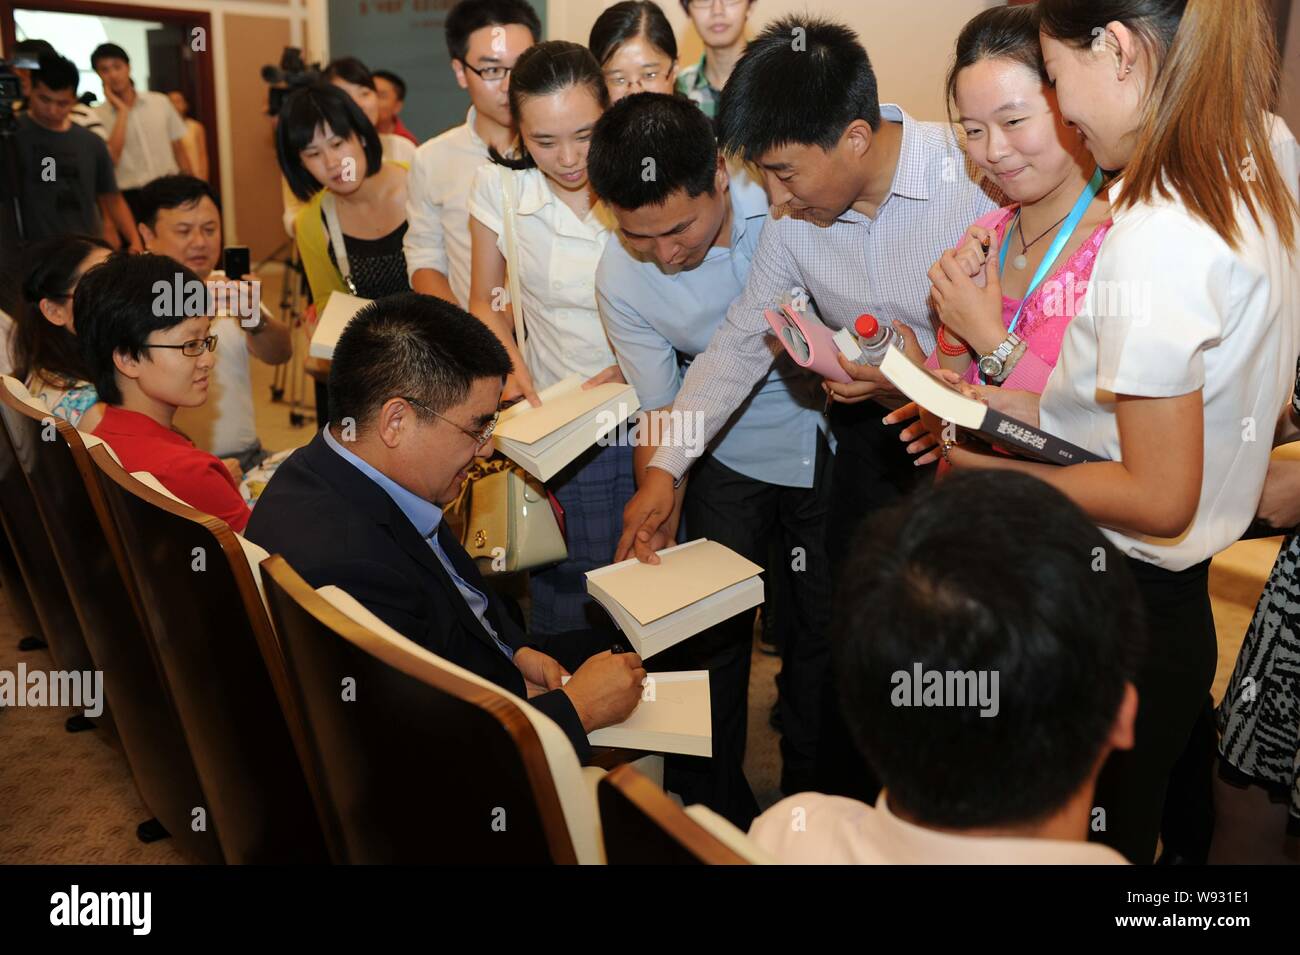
991, 365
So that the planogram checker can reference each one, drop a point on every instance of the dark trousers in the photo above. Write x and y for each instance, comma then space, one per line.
1172, 684
747, 515
872, 470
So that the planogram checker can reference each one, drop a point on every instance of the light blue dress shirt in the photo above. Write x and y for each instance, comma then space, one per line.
425, 516
658, 323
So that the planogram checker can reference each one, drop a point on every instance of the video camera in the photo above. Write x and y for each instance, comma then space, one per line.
292, 73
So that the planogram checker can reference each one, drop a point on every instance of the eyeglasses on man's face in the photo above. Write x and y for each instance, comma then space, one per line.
490, 74
480, 437
192, 348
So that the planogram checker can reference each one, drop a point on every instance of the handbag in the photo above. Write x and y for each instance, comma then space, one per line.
507, 523
504, 520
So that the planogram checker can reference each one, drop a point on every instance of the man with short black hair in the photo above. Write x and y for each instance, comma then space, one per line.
865, 199
68, 185
484, 39
687, 235
180, 218
33, 49
414, 388
987, 709
391, 90
146, 136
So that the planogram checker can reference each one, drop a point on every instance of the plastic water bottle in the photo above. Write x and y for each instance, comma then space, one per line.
869, 339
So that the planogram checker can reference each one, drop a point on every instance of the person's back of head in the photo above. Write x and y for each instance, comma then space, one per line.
414, 383
802, 81
669, 130
985, 650
45, 339
120, 304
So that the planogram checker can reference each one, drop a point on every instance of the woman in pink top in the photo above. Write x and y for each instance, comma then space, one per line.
1015, 133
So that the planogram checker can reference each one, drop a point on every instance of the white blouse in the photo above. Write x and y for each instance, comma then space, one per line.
1172, 308
558, 255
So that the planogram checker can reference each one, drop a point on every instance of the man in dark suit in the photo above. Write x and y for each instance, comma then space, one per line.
414, 389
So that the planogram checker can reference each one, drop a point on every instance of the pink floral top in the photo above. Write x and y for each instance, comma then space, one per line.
1047, 311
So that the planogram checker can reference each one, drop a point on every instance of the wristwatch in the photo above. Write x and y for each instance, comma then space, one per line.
991, 365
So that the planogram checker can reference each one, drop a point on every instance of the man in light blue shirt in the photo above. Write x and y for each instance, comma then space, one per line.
688, 230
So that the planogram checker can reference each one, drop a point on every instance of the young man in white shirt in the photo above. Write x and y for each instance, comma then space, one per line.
180, 218
986, 670
484, 38
145, 133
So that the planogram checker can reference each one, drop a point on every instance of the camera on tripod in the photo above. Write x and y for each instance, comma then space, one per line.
292, 73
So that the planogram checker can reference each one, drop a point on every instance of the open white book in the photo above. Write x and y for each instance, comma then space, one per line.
695, 585
948, 404
570, 420
338, 312
672, 717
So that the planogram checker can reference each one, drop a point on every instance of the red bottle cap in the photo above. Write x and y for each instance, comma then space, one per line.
866, 326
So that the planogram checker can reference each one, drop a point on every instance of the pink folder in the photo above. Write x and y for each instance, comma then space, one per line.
810, 343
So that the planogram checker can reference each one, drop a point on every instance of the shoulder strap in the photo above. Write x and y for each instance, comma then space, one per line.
336, 239
512, 250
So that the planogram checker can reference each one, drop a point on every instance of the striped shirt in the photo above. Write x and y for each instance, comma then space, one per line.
857, 264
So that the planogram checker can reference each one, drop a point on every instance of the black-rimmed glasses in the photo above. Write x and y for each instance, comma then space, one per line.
489, 74
192, 348
480, 437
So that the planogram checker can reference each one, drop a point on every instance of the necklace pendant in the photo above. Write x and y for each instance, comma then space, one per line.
1020, 262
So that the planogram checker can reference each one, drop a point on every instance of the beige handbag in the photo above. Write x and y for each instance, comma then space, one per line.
504, 519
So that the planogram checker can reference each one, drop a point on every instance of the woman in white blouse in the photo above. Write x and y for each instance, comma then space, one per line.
557, 92
1177, 366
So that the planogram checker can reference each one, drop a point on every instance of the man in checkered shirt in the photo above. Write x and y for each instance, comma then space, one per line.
864, 200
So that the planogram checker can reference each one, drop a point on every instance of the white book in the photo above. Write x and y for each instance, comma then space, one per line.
694, 586
545, 439
338, 312
994, 427
673, 716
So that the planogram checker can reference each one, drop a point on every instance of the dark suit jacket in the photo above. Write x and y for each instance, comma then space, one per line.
334, 525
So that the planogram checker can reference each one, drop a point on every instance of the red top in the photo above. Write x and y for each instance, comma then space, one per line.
196, 477
399, 129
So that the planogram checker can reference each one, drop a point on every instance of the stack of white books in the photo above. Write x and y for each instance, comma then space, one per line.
543, 440
694, 586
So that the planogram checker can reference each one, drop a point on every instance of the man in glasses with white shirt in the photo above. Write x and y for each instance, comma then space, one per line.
484, 39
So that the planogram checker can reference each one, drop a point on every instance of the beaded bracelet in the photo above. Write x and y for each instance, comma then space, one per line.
951, 350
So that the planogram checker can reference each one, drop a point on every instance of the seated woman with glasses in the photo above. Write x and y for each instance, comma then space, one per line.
45, 353
147, 357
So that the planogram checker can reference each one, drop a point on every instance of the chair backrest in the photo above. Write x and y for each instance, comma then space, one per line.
215, 647
643, 826
90, 557
35, 560
417, 763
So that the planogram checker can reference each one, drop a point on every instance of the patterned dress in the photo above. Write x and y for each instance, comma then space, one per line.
1259, 718
68, 400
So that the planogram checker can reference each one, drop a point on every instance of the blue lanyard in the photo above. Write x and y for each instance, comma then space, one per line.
1071, 223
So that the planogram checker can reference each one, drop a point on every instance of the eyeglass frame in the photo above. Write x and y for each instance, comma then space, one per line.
481, 437
209, 344
479, 73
